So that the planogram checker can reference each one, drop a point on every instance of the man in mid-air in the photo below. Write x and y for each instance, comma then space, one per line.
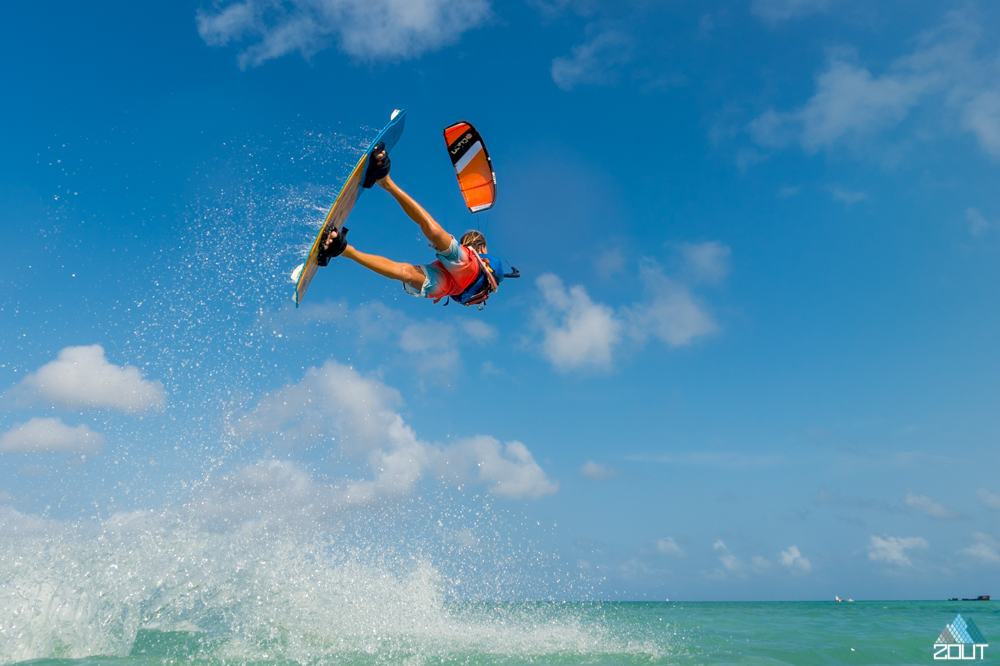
463, 271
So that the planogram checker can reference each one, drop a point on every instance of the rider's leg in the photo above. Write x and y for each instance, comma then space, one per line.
393, 270
434, 232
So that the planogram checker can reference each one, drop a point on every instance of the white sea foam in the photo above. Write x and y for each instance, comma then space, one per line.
266, 587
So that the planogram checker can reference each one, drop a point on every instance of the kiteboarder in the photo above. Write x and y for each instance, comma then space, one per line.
463, 272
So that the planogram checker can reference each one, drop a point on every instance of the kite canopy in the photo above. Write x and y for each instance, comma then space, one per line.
472, 166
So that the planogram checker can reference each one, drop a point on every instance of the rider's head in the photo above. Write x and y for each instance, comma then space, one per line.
475, 240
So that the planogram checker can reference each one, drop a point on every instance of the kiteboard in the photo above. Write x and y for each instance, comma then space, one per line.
344, 203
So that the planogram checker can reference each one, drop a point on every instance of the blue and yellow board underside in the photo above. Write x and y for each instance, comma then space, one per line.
344, 203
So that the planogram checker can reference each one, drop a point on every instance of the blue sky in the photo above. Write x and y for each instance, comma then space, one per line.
752, 354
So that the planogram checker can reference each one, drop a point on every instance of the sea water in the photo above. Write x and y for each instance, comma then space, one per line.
196, 585
403, 623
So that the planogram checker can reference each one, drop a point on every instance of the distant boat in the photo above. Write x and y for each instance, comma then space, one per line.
984, 597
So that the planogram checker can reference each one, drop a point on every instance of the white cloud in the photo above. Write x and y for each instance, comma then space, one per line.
510, 469
849, 103
432, 343
336, 405
479, 331
610, 262
371, 30
892, 550
670, 313
977, 223
82, 378
598, 471
667, 546
984, 548
47, 435
593, 62
774, 12
794, 560
432, 346
982, 117
707, 262
730, 562
846, 196
948, 75
577, 332
926, 505
991, 500
580, 333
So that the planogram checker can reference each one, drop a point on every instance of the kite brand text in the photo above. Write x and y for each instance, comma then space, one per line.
461, 142
957, 650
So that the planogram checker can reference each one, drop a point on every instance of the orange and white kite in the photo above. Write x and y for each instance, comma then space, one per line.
472, 166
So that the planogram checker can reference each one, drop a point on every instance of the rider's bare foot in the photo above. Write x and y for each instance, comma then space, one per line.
330, 238
378, 165
333, 246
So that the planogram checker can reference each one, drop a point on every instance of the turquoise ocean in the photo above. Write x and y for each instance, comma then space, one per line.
801, 633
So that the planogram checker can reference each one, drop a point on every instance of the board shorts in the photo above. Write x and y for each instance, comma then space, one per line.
455, 269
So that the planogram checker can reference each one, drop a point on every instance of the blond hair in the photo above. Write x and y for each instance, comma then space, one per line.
475, 240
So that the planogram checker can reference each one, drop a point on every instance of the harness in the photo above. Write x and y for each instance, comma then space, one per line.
480, 288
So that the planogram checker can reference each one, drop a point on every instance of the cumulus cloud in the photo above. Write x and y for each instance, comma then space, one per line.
48, 435
369, 31
989, 499
432, 343
948, 73
598, 471
82, 378
706, 262
577, 331
794, 560
730, 562
268, 488
774, 12
667, 546
892, 550
849, 103
984, 548
760, 564
609, 262
670, 312
509, 469
433, 346
336, 405
478, 331
927, 506
982, 117
593, 62
845, 196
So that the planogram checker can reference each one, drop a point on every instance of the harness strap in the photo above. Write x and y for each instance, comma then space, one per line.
480, 289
